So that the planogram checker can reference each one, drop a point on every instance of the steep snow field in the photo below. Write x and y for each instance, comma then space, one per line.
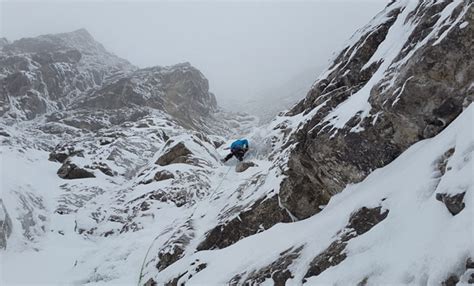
46, 240
412, 245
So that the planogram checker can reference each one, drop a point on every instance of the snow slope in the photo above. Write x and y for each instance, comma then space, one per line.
420, 242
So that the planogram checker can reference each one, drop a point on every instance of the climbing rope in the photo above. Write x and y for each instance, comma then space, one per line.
144, 259
219, 185
192, 214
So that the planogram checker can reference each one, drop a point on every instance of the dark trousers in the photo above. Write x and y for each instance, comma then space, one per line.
239, 154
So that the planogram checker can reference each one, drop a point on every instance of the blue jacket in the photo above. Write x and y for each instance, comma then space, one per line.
240, 144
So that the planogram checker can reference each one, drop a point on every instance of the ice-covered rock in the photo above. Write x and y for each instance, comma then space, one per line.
403, 77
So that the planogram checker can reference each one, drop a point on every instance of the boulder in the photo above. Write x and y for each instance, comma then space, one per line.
179, 153
163, 175
454, 203
242, 166
71, 171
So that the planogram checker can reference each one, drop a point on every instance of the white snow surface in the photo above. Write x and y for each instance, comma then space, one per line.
413, 245
100, 231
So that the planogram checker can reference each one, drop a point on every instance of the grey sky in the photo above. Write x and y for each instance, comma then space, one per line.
241, 47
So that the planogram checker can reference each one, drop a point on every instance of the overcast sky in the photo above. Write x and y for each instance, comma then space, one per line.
241, 47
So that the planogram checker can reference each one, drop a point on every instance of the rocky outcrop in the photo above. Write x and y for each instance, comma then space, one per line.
454, 203
465, 275
277, 271
71, 71
174, 248
195, 267
181, 91
62, 152
163, 175
70, 170
374, 102
242, 166
261, 216
179, 153
359, 223
48, 72
5, 226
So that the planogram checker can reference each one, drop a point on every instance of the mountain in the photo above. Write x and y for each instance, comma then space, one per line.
403, 78
47, 73
366, 181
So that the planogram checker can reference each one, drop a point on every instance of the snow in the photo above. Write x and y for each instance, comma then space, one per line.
414, 244
99, 231
357, 104
387, 51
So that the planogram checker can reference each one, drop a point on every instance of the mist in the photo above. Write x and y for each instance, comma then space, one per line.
243, 48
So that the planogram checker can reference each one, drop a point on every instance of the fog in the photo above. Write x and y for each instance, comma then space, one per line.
243, 48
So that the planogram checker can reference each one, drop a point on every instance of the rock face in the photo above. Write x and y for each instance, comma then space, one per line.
72, 71
263, 215
359, 223
386, 90
181, 91
48, 72
179, 153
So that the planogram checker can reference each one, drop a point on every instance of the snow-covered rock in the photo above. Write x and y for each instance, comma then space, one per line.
385, 189
402, 78
389, 228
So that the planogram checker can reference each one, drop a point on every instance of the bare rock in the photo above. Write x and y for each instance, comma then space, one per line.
163, 175
243, 166
277, 271
195, 267
64, 151
179, 153
359, 223
5, 226
469, 263
261, 216
454, 203
150, 282
451, 281
71, 171
166, 258
103, 167
174, 248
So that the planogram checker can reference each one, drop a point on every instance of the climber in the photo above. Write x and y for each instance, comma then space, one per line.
238, 149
